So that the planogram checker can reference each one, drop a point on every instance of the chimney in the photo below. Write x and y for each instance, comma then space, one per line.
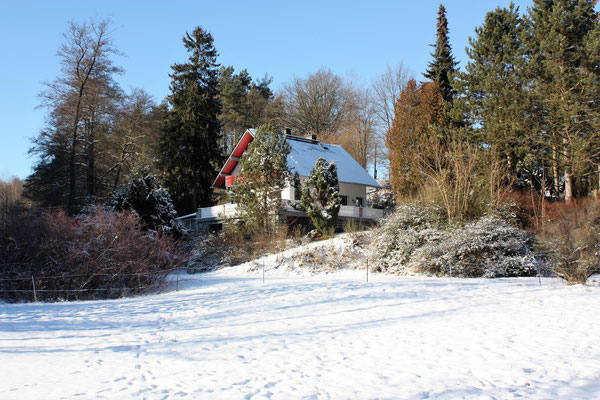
314, 137
288, 131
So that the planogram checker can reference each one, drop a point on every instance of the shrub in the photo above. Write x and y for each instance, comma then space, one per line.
572, 242
408, 228
233, 247
96, 256
489, 247
416, 239
382, 198
152, 203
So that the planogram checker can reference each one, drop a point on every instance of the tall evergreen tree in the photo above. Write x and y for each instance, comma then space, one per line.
190, 151
233, 95
443, 66
321, 196
494, 85
264, 173
563, 41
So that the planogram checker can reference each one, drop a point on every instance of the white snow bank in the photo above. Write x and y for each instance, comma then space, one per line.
321, 337
343, 252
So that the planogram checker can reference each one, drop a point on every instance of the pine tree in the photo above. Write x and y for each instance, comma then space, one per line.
563, 41
320, 196
443, 66
494, 85
263, 174
233, 92
190, 151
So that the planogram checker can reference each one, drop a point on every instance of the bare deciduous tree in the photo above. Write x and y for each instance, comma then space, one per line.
10, 195
86, 71
386, 92
318, 104
359, 134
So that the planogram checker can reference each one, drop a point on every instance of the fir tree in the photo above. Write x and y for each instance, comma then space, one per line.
263, 174
494, 85
443, 66
320, 196
563, 41
149, 201
190, 151
233, 92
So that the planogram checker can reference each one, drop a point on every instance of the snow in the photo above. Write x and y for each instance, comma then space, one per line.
308, 335
304, 155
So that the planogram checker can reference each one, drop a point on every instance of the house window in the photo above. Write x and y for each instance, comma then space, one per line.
359, 202
344, 200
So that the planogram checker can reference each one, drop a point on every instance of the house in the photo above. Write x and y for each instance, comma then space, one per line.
354, 181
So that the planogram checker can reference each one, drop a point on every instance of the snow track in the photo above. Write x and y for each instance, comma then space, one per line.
322, 337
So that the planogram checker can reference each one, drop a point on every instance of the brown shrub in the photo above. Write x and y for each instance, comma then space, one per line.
96, 256
232, 247
571, 238
534, 211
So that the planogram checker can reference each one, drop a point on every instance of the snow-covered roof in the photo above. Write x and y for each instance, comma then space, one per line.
302, 158
305, 152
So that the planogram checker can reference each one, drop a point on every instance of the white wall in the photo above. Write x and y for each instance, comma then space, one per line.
351, 190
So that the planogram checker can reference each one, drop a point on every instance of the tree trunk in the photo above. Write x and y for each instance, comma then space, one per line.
568, 184
195, 195
91, 173
72, 155
555, 175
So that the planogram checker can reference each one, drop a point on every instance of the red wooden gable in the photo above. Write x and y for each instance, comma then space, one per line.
220, 182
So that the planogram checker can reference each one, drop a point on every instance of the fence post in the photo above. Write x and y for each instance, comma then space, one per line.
33, 285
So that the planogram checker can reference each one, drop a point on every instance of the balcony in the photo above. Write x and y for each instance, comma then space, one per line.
220, 212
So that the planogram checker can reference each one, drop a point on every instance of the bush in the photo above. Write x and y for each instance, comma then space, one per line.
150, 202
96, 256
489, 247
233, 247
572, 242
416, 239
405, 230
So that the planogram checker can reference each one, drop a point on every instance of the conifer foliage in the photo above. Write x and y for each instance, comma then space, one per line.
264, 173
320, 196
152, 204
442, 67
190, 143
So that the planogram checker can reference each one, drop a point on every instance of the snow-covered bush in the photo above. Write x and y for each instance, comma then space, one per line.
382, 198
489, 247
151, 202
232, 247
405, 230
415, 239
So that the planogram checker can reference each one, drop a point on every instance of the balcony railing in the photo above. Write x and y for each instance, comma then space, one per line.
223, 211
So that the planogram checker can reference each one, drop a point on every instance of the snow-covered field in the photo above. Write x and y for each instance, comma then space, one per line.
322, 337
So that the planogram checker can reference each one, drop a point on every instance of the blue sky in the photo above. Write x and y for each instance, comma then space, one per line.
281, 38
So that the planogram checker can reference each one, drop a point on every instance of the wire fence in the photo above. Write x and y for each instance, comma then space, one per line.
83, 286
